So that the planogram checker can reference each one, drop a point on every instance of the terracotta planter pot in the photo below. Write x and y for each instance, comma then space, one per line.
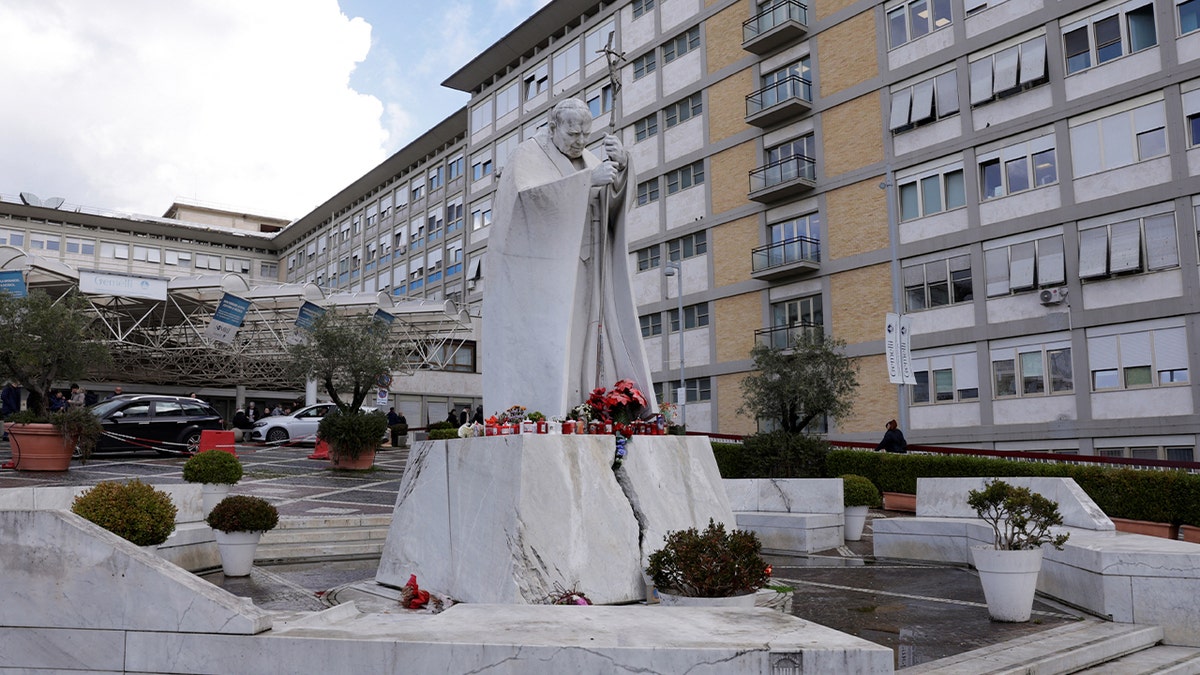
38, 447
899, 501
1190, 533
365, 460
1164, 530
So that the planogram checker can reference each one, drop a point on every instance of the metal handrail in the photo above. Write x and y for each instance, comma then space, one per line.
792, 87
787, 252
773, 15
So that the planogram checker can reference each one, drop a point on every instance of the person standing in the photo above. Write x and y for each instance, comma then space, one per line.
893, 439
398, 425
78, 396
251, 412
464, 416
117, 391
478, 418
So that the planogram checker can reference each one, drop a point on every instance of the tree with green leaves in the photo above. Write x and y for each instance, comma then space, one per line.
47, 340
345, 354
794, 386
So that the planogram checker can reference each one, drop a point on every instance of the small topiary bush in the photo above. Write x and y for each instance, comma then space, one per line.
351, 434
242, 513
212, 466
859, 491
134, 511
443, 434
709, 564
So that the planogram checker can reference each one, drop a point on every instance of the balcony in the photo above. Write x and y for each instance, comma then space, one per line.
779, 23
786, 258
781, 101
783, 337
783, 178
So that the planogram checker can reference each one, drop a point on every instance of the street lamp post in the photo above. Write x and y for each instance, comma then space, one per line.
673, 268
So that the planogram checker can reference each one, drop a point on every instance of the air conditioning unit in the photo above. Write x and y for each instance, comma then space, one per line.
1052, 296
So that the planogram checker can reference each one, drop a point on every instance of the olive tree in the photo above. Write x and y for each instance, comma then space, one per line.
345, 354
797, 385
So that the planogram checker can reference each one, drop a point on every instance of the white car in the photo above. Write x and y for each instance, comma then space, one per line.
299, 427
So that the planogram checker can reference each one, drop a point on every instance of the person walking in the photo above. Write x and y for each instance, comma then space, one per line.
893, 439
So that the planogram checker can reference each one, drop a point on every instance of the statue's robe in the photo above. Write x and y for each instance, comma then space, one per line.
558, 299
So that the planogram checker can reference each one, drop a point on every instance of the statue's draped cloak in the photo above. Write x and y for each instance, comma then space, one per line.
543, 292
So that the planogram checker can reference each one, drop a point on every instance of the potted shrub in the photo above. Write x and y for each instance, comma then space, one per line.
134, 511
238, 523
56, 343
217, 471
859, 495
1008, 569
713, 567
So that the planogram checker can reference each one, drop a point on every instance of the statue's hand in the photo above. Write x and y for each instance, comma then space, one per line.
605, 173
615, 152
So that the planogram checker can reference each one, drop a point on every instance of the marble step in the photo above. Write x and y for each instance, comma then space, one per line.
1160, 660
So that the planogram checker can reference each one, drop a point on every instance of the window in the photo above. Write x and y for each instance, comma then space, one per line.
694, 316
435, 223
481, 116
1035, 370
418, 190
792, 81
81, 246
507, 100
1189, 16
151, 254
1134, 245
481, 165
651, 325
647, 191
536, 81
649, 258
454, 217
108, 250
644, 65
600, 101
791, 160
1009, 71
1024, 266
1018, 168
924, 102
1119, 140
268, 270
595, 41
481, 217
566, 61
640, 7
698, 389
687, 246
911, 20
180, 258
937, 283
648, 126
932, 192
684, 110
1145, 358
436, 178
681, 44
454, 170
203, 261
1101, 38
505, 148
17, 238
792, 318
685, 177
945, 379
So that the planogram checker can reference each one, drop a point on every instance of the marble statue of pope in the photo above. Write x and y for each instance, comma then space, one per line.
559, 317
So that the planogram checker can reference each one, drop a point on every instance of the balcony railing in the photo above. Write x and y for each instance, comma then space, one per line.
780, 101
784, 258
783, 178
777, 24
783, 337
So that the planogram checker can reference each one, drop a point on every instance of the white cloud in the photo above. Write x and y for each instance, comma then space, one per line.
130, 105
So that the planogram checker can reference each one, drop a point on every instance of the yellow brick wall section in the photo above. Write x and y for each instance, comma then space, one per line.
876, 400
726, 106
732, 244
861, 299
851, 135
828, 8
734, 320
856, 217
728, 419
729, 171
847, 55
723, 37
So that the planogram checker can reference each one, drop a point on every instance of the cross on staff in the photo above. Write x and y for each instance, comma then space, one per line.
613, 58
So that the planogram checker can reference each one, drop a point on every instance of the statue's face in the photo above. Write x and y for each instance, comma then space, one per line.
571, 133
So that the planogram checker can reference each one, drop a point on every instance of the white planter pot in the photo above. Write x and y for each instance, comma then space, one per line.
669, 600
237, 551
855, 521
1009, 581
211, 494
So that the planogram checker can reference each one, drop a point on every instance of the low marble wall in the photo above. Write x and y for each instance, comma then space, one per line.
785, 495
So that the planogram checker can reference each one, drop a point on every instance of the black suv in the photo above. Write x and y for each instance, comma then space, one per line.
168, 425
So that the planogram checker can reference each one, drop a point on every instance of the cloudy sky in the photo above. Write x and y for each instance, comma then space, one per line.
263, 106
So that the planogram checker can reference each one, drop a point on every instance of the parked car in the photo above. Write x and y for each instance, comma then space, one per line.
166, 424
299, 427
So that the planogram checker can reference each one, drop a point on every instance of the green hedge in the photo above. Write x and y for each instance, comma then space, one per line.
1159, 496
776, 454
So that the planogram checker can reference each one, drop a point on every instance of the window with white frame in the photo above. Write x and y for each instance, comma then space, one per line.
644, 65
1108, 35
1018, 167
950, 378
937, 283
685, 177
640, 7
931, 192
594, 42
910, 20
436, 178
1016, 266
507, 99
401, 196
688, 246
434, 220
481, 215
418, 189
1032, 370
647, 191
1120, 139
1134, 245
481, 165
681, 44
454, 216
926, 101
1189, 15
682, 111
600, 101
454, 169
1138, 358
645, 128
649, 258
566, 61
1008, 71
536, 81
481, 115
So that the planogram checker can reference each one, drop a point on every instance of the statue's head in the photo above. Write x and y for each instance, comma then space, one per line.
570, 126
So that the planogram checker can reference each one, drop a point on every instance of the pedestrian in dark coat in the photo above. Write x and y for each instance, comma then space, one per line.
893, 439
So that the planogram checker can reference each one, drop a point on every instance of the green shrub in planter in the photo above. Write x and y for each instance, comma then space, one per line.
443, 434
709, 564
859, 491
1020, 518
242, 513
351, 434
134, 511
214, 467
